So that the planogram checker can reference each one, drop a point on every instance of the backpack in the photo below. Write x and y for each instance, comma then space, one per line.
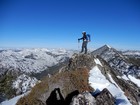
88, 37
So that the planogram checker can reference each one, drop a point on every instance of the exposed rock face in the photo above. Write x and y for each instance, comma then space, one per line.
131, 91
84, 99
81, 61
105, 98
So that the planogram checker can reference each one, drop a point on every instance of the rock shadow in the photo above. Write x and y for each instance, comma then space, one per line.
69, 97
119, 101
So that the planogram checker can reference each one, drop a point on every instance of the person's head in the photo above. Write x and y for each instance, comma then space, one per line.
84, 33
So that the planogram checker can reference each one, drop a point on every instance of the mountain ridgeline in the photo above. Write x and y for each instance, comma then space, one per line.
122, 63
102, 77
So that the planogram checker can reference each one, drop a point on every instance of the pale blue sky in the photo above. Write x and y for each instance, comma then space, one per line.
59, 23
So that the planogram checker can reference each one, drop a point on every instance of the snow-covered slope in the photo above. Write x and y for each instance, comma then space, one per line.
122, 88
24, 83
98, 81
31, 60
12, 101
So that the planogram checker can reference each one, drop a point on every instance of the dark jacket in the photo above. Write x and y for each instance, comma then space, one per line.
84, 38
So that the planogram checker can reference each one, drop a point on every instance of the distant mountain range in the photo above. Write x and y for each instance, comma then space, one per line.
31, 60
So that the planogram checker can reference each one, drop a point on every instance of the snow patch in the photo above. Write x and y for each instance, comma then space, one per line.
97, 80
133, 79
125, 77
12, 101
97, 61
119, 77
108, 46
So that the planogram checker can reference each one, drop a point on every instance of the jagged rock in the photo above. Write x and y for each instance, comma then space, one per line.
105, 98
131, 91
81, 61
83, 99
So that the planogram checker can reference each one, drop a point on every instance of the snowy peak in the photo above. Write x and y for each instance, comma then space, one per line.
118, 61
106, 46
107, 52
102, 49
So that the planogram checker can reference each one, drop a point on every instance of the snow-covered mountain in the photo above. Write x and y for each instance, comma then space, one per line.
118, 61
31, 60
20, 67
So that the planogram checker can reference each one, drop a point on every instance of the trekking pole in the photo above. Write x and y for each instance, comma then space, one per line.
78, 44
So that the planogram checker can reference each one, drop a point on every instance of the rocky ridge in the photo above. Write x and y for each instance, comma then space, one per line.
71, 85
118, 61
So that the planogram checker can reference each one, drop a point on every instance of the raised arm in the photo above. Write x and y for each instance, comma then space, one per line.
80, 38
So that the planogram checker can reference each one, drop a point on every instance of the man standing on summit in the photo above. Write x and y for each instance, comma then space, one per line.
86, 39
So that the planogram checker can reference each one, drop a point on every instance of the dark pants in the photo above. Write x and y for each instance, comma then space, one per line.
84, 46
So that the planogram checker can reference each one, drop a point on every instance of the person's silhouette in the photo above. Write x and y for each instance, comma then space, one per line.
52, 100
